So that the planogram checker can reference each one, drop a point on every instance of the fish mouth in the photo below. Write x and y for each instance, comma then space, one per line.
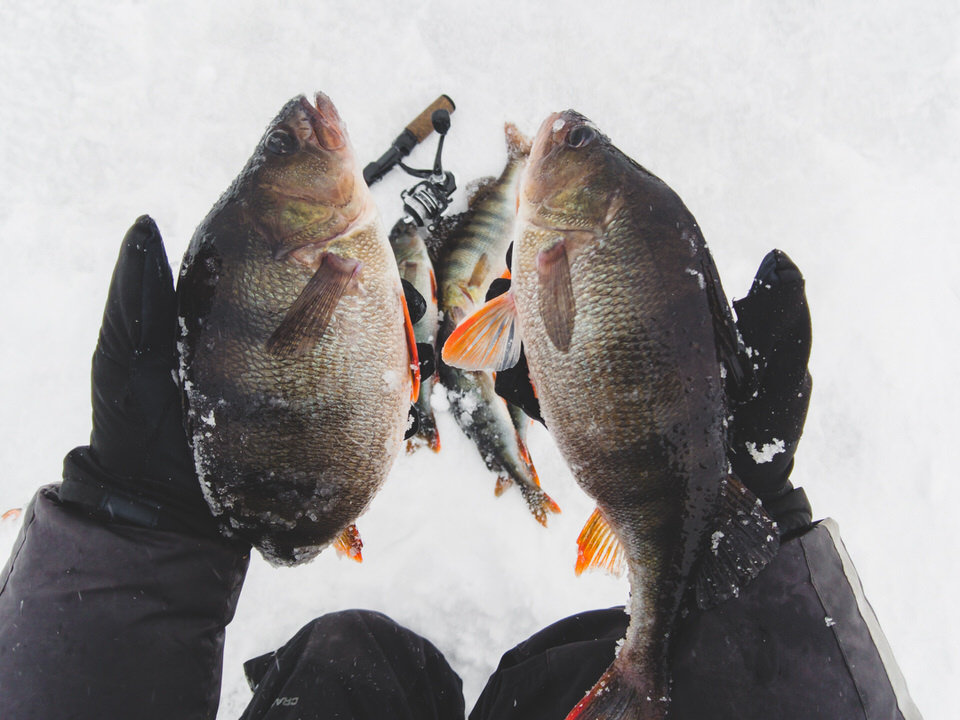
555, 163
329, 131
555, 136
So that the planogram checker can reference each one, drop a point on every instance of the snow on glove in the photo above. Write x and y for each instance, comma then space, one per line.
774, 321
138, 467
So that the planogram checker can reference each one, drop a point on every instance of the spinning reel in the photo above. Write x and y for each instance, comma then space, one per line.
426, 201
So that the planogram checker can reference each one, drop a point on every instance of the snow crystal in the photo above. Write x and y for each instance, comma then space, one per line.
830, 622
715, 541
392, 380
558, 125
699, 276
767, 452
209, 419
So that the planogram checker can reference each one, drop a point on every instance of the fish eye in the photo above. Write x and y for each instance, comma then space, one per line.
281, 142
581, 136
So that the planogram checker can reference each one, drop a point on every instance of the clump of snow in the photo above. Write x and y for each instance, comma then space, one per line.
767, 452
715, 539
699, 276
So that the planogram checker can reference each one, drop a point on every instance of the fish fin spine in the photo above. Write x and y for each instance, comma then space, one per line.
488, 339
743, 541
558, 308
308, 317
598, 547
349, 544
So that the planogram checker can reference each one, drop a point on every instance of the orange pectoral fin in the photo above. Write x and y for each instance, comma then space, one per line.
308, 316
349, 544
412, 353
598, 547
487, 340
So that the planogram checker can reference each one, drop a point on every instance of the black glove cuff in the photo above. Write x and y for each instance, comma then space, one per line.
792, 512
87, 485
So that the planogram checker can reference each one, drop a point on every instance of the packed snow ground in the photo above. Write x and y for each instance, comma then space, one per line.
827, 130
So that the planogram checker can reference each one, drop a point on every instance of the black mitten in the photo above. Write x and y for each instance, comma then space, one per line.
774, 321
138, 467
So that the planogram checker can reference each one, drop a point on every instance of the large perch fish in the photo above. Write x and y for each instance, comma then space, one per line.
298, 361
473, 254
628, 338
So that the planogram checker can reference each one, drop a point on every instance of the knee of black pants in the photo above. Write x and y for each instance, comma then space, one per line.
354, 664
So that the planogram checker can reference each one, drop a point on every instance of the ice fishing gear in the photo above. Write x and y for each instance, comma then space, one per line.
413, 134
426, 201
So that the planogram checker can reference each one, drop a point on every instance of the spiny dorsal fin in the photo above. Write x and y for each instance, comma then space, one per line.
349, 544
307, 319
486, 340
557, 306
598, 547
743, 541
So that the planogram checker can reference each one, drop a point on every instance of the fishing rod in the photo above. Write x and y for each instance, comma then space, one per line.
426, 201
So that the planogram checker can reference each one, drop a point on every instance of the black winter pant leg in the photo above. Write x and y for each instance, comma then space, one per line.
356, 665
801, 642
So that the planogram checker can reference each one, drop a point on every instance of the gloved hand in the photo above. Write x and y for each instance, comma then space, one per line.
138, 467
774, 321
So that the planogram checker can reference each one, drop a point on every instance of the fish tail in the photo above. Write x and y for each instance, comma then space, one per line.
538, 502
427, 435
518, 144
621, 695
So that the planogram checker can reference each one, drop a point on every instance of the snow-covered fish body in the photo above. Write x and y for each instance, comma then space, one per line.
297, 358
618, 304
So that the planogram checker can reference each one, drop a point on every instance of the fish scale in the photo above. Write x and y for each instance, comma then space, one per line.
295, 358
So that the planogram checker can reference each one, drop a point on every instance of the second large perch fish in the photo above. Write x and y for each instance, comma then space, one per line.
628, 338
297, 355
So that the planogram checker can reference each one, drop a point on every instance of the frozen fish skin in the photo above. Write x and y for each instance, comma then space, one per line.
298, 362
628, 338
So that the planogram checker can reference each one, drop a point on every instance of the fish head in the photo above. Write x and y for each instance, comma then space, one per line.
572, 177
303, 186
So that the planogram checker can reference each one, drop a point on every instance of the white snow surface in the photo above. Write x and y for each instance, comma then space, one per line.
829, 130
